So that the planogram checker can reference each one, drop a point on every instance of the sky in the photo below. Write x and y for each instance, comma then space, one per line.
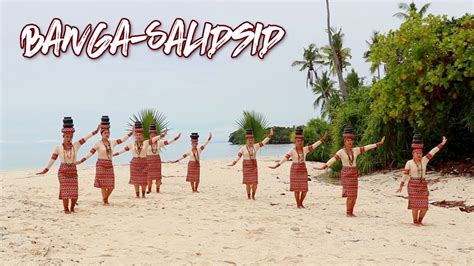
195, 94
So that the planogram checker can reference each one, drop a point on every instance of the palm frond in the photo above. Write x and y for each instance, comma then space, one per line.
147, 117
255, 121
424, 8
400, 15
297, 63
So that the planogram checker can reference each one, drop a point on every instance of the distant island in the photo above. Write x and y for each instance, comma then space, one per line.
281, 135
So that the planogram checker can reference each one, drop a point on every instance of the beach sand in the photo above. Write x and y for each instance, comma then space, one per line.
220, 226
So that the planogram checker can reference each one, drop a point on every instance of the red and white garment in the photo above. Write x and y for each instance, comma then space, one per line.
349, 174
194, 166
415, 173
67, 173
298, 171
104, 172
249, 164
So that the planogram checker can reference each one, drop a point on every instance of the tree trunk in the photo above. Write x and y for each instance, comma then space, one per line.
316, 75
342, 85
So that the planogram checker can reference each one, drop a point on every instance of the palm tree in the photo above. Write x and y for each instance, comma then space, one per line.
255, 121
311, 58
411, 9
342, 54
147, 117
325, 90
374, 39
337, 62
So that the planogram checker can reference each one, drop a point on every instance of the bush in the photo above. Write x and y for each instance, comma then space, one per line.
313, 131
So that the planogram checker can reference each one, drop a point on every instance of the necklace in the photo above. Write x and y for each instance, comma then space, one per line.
69, 152
108, 149
138, 147
419, 169
300, 156
195, 154
251, 152
350, 156
154, 147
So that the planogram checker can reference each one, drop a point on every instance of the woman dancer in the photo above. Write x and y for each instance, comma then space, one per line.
194, 154
104, 171
153, 159
298, 172
249, 164
67, 173
349, 175
414, 172
139, 163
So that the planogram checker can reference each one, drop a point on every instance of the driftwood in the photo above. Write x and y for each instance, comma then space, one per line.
454, 203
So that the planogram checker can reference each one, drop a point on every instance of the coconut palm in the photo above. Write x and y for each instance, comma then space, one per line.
409, 9
147, 117
311, 59
255, 121
374, 39
325, 90
337, 62
342, 54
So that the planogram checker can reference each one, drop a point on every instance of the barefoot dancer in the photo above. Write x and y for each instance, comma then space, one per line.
104, 171
249, 164
138, 165
154, 159
414, 172
195, 157
67, 173
349, 176
298, 172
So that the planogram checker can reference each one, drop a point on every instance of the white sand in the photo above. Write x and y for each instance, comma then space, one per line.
220, 226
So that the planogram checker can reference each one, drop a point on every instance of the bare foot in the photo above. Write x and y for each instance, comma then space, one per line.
72, 210
302, 206
67, 212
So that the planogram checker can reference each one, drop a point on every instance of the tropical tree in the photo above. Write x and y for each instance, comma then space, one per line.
147, 117
335, 57
325, 90
409, 9
342, 54
311, 59
432, 89
353, 81
374, 39
255, 121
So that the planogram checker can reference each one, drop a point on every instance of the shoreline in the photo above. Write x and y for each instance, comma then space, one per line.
220, 226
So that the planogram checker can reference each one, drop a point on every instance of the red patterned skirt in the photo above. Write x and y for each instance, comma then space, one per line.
298, 177
250, 172
193, 171
349, 181
418, 193
153, 167
138, 172
68, 185
104, 174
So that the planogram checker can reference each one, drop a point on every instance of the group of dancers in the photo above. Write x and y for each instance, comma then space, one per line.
145, 165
